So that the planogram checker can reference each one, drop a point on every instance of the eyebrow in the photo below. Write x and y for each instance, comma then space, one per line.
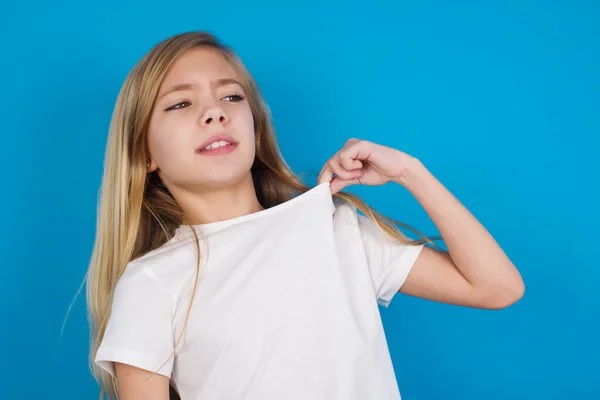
189, 86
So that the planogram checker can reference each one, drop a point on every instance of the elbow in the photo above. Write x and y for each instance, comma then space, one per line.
510, 298
504, 296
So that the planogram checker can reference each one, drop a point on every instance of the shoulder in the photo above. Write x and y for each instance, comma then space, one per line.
350, 222
344, 213
167, 267
347, 218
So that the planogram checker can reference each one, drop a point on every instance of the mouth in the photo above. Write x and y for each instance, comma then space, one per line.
217, 145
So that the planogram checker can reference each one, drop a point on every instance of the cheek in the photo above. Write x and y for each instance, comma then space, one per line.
160, 143
153, 136
165, 134
247, 120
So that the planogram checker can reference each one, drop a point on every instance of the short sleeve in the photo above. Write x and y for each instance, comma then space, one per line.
139, 331
389, 261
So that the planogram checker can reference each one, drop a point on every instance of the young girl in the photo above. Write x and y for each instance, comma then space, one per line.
217, 274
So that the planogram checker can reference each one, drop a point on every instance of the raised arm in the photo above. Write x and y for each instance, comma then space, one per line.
476, 272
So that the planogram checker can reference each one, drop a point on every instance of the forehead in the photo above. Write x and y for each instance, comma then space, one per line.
198, 64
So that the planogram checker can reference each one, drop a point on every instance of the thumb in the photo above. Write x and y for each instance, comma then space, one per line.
337, 184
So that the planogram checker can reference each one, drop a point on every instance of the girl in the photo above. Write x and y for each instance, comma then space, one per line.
285, 306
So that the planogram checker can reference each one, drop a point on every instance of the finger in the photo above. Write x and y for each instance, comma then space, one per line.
350, 163
350, 142
342, 172
353, 154
331, 167
337, 184
326, 174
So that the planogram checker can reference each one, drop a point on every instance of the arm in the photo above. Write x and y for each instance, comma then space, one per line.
133, 384
476, 273
138, 341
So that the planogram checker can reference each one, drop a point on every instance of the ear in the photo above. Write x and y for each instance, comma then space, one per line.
149, 166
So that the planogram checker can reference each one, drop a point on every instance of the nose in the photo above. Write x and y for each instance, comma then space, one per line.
213, 113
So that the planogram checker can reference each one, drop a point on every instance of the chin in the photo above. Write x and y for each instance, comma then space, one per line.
226, 180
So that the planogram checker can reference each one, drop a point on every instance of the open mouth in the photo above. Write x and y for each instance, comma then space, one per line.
217, 148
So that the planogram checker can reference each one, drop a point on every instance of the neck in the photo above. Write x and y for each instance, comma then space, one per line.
220, 203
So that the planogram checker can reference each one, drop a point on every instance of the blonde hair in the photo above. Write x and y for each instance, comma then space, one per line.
136, 212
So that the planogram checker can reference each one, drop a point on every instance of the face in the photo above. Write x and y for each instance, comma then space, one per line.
199, 102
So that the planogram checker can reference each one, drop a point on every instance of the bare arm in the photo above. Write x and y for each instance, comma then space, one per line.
134, 384
476, 273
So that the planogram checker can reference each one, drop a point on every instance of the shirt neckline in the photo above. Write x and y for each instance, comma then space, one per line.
218, 225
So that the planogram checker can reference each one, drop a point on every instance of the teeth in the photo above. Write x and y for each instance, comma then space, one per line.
215, 145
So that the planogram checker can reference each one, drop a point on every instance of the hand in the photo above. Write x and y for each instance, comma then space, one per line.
366, 163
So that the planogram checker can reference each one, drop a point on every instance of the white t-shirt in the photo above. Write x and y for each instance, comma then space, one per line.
285, 308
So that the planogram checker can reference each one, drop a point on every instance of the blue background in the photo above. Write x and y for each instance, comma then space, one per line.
500, 99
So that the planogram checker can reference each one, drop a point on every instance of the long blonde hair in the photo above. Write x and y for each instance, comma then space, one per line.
136, 213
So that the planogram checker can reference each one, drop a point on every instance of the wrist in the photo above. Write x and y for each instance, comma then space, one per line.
414, 175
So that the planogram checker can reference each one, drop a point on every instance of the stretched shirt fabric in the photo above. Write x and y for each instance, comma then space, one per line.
286, 306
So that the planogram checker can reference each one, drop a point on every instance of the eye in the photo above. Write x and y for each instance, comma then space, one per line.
179, 106
234, 98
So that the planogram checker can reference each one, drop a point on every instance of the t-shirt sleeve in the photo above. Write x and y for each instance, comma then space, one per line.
389, 261
139, 331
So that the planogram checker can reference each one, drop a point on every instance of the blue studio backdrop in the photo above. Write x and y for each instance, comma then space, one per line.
499, 99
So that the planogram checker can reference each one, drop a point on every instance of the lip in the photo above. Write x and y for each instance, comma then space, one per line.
216, 138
